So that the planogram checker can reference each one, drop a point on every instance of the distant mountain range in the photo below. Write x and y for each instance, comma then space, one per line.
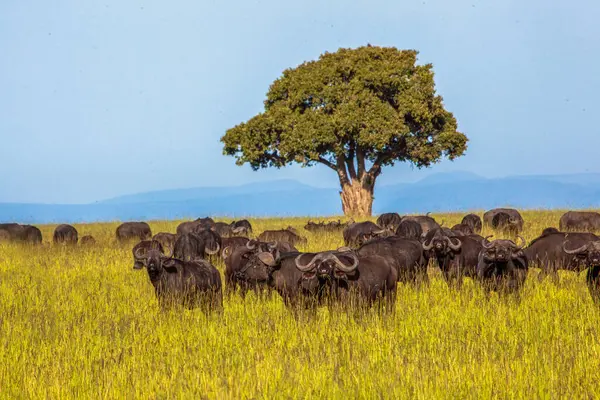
460, 191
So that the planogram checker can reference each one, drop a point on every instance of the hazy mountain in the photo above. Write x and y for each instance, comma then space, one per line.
439, 192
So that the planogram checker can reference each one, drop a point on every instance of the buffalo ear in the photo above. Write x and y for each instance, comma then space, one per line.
170, 265
267, 259
138, 265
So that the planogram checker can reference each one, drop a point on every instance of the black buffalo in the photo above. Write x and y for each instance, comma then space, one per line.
87, 240
191, 284
142, 249
31, 235
244, 224
167, 240
11, 231
333, 226
27, 234
462, 230
237, 274
457, 257
580, 221
546, 252
589, 255
361, 232
133, 230
227, 230
409, 230
515, 218
506, 224
212, 241
190, 226
288, 235
66, 234
189, 247
310, 279
389, 221
405, 255
427, 223
348, 278
473, 221
502, 266
231, 243
549, 230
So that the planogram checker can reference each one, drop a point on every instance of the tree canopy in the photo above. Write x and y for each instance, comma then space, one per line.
355, 111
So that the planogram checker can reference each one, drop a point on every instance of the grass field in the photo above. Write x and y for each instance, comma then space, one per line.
80, 323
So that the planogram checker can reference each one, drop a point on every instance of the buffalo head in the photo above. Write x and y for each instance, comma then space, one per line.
502, 251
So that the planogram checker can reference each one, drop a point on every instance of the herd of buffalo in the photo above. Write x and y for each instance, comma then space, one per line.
365, 271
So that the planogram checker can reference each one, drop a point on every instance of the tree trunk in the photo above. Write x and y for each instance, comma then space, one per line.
357, 201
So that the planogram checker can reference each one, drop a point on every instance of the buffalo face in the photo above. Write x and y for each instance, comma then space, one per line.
502, 251
589, 252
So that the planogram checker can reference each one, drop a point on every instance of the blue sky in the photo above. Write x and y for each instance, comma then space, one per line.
102, 98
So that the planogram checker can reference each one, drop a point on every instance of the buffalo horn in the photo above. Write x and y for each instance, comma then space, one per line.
575, 251
485, 245
212, 252
453, 246
310, 265
344, 268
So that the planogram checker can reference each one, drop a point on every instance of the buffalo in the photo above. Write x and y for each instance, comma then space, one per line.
190, 284
288, 235
188, 247
457, 257
87, 240
66, 234
462, 230
243, 223
347, 278
232, 243
589, 255
506, 224
190, 226
212, 241
427, 223
31, 235
405, 255
226, 230
473, 221
133, 230
142, 248
580, 221
361, 232
546, 252
389, 221
514, 218
310, 279
409, 230
237, 274
167, 240
502, 266
27, 234
333, 226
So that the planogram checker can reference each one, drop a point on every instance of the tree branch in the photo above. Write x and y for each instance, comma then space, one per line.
360, 161
350, 161
327, 163
341, 170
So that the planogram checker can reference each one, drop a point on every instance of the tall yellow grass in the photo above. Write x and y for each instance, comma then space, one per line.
80, 323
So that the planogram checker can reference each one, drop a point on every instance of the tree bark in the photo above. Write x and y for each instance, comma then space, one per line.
357, 200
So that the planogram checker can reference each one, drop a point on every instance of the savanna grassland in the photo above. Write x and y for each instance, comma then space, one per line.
79, 322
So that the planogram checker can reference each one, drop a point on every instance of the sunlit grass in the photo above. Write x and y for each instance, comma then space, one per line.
77, 322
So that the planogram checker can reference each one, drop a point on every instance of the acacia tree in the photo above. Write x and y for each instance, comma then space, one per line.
354, 111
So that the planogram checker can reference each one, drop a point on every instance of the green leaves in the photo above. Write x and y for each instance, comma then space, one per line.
372, 99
